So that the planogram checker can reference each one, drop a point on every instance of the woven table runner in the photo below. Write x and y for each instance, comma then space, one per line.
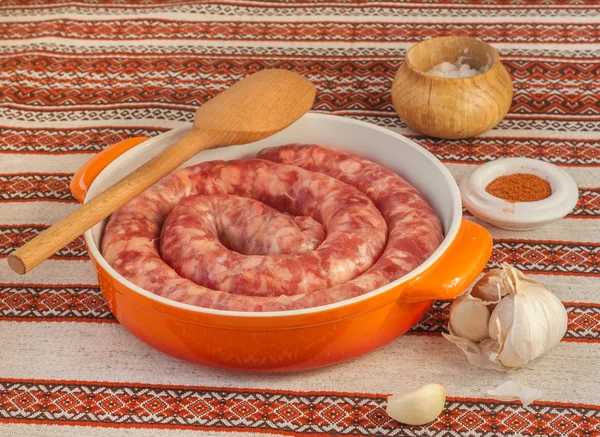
76, 77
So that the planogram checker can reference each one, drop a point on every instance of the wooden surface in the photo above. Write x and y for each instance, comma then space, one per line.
451, 108
254, 108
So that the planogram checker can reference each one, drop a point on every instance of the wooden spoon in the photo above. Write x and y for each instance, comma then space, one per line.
252, 109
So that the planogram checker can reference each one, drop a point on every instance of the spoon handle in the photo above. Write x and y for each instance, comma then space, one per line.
44, 245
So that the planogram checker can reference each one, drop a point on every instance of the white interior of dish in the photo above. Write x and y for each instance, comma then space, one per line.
409, 160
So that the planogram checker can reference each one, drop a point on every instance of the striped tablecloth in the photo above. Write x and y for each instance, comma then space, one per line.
76, 77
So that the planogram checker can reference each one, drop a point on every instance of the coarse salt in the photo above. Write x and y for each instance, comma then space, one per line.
457, 70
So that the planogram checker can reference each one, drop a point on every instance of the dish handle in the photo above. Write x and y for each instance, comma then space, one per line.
456, 268
83, 178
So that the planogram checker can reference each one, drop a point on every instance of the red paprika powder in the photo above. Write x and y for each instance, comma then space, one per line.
519, 187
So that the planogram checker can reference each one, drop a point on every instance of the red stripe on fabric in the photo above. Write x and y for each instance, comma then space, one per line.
143, 405
31, 173
586, 304
559, 164
349, 41
79, 258
51, 200
444, 160
311, 22
24, 225
408, 134
43, 285
557, 242
59, 320
73, 152
278, 431
100, 107
493, 401
159, 426
567, 274
80, 128
118, 384
568, 216
277, 57
580, 340
189, 108
36, 187
360, 5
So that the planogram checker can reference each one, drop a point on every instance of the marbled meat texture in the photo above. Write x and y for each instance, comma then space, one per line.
300, 226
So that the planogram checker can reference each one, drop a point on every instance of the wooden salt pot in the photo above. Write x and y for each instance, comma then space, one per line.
451, 108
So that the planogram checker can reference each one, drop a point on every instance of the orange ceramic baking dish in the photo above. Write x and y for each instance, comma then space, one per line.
300, 339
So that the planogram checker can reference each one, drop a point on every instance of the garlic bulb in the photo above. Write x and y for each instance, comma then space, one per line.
526, 320
419, 406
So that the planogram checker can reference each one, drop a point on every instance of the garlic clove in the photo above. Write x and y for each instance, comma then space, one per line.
419, 406
469, 318
501, 319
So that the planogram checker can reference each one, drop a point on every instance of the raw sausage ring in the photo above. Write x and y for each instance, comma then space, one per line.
299, 227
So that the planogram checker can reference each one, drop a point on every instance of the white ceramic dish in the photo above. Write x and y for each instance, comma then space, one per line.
518, 216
